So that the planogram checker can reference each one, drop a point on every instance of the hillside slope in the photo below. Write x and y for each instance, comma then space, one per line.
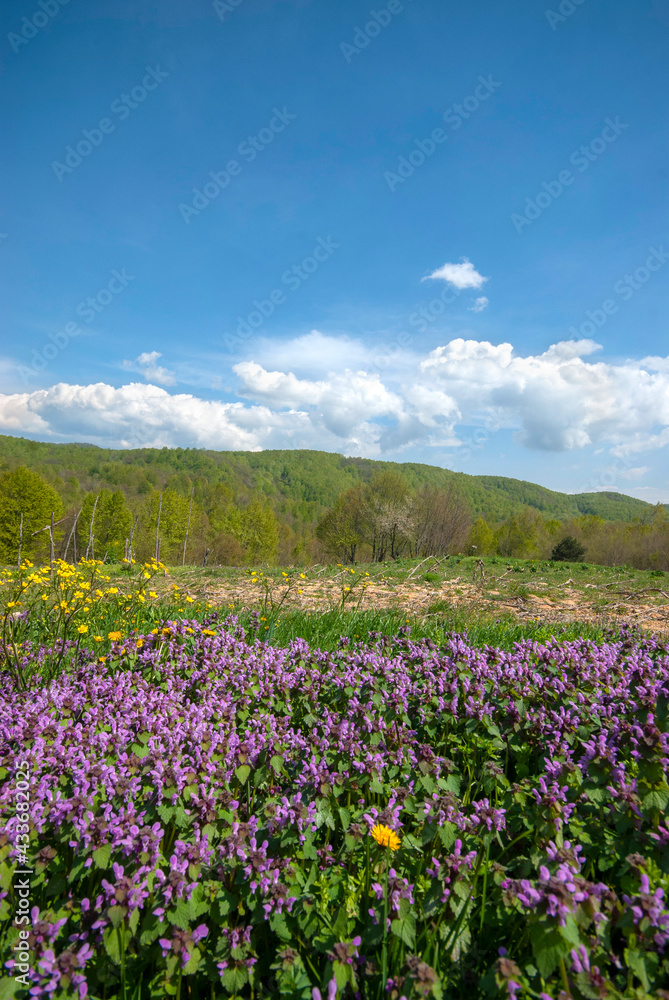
301, 483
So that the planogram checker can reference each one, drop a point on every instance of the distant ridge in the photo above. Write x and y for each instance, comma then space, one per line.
299, 483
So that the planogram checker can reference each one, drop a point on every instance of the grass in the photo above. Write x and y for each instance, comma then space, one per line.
325, 629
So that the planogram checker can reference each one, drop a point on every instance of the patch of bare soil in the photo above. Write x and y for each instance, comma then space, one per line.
571, 602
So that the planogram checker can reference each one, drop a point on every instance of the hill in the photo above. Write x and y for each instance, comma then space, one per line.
299, 484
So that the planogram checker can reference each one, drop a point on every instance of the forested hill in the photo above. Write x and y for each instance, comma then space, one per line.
300, 484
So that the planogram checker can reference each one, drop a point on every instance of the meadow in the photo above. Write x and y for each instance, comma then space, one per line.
404, 780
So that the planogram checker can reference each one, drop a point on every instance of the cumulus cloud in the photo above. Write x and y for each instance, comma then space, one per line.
558, 400
462, 275
145, 364
480, 304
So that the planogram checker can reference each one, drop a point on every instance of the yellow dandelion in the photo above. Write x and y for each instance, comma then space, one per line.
152, 593
190, 600
385, 837
98, 638
82, 630
115, 636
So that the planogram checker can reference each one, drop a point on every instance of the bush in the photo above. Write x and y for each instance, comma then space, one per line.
568, 550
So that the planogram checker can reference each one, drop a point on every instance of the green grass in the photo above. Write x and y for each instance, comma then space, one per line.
325, 629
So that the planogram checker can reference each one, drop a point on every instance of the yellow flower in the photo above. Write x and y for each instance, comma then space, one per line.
11, 604
139, 643
115, 636
97, 638
112, 590
82, 630
207, 631
45, 597
152, 593
190, 600
385, 837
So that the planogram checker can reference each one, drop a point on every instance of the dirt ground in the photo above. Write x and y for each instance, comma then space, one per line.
570, 600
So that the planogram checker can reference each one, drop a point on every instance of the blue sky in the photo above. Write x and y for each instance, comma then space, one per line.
416, 231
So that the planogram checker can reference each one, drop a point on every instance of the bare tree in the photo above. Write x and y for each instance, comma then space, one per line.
441, 521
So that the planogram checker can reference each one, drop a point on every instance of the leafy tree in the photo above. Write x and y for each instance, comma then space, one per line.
25, 492
521, 536
258, 531
341, 529
112, 523
388, 519
171, 528
481, 540
568, 550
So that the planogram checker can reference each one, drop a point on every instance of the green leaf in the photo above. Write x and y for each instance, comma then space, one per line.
242, 772
405, 929
180, 914
110, 940
9, 988
276, 763
117, 915
102, 855
655, 800
133, 920
635, 961
280, 927
235, 979
548, 947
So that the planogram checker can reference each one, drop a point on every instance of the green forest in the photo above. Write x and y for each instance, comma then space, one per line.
296, 507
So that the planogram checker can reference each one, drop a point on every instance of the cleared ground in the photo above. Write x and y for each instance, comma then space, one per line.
528, 590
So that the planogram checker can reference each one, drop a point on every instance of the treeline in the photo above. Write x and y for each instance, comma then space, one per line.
640, 544
295, 507
202, 527
381, 520
299, 484
385, 519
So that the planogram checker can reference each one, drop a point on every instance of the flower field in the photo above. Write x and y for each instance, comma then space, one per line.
191, 811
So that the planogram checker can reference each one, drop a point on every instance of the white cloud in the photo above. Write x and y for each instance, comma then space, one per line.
558, 400
145, 364
462, 275
480, 304
636, 473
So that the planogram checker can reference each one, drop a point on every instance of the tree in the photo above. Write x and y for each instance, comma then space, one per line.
341, 529
112, 523
23, 492
441, 521
481, 540
388, 509
171, 528
568, 550
258, 531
